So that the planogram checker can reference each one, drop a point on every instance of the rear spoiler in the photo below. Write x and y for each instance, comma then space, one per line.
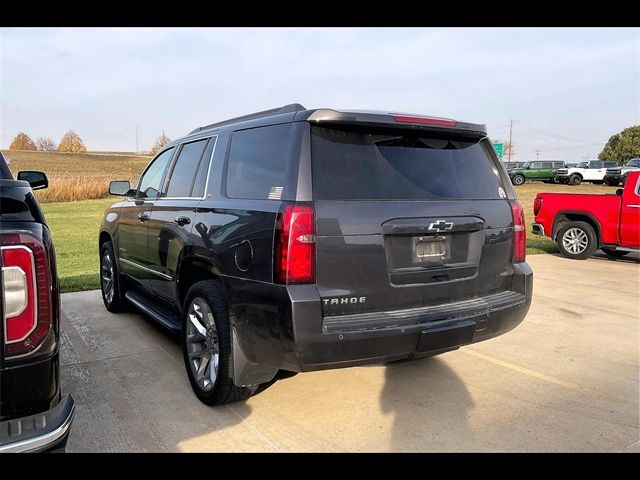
395, 120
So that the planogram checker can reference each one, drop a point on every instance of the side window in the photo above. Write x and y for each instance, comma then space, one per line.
259, 163
596, 165
200, 182
184, 168
536, 165
152, 177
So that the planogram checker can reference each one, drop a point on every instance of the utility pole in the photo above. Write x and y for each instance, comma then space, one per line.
538, 154
137, 150
510, 136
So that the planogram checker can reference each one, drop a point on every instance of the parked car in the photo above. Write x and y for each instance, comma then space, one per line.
511, 165
617, 175
589, 171
581, 223
543, 170
34, 416
304, 240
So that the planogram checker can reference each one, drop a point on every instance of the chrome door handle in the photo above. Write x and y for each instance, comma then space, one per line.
182, 220
633, 206
143, 217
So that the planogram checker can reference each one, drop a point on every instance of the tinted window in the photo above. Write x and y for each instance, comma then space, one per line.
595, 165
538, 165
259, 163
200, 182
610, 164
150, 182
359, 165
184, 169
633, 163
558, 164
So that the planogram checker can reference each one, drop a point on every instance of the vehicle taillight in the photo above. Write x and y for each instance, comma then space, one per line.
295, 244
445, 122
26, 290
519, 232
537, 204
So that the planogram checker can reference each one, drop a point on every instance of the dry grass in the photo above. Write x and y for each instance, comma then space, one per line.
77, 176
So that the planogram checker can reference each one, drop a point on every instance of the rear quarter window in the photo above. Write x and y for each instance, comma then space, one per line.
375, 165
260, 164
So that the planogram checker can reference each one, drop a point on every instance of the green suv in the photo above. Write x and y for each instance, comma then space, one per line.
543, 170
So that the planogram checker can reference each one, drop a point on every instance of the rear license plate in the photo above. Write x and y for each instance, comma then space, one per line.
429, 249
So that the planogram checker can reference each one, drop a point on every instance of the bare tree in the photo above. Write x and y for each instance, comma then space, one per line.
71, 142
22, 142
160, 142
45, 144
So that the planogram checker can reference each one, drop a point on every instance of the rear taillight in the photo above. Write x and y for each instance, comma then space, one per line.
445, 122
537, 204
26, 291
519, 232
295, 244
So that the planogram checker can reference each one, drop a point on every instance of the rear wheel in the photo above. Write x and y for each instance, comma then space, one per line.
112, 292
614, 253
518, 179
575, 180
206, 344
577, 240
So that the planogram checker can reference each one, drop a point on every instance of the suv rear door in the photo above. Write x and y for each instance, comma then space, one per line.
407, 219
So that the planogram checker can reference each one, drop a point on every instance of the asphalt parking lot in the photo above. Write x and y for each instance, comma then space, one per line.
567, 379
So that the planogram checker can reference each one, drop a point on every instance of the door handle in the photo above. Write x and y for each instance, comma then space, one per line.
143, 217
633, 206
182, 220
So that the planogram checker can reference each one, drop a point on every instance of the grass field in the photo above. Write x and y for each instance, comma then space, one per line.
75, 232
77, 176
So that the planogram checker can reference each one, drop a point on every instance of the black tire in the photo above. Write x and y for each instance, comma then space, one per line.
624, 180
598, 182
223, 389
614, 253
611, 182
518, 179
575, 179
577, 230
114, 300
555, 179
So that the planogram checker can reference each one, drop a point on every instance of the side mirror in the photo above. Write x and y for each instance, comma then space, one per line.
37, 180
619, 192
119, 187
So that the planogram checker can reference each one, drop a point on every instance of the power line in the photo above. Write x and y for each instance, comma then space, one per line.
550, 133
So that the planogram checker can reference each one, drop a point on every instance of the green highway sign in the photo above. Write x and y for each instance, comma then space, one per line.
498, 149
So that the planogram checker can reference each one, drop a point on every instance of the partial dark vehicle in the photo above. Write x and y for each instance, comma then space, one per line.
303, 240
617, 175
34, 416
511, 165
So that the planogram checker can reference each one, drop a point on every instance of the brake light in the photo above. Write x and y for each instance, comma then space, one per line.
519, 233
295, 244
445, 122
26, 290
537, 204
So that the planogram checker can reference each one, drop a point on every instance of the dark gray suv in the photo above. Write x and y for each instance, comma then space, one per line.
302, 240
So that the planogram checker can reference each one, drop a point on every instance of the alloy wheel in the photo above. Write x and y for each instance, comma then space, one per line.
575, 241
107, 277
202, 344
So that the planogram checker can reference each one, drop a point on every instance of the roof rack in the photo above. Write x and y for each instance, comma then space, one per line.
292, 107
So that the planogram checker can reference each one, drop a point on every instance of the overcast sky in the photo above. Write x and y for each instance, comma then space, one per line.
567, 90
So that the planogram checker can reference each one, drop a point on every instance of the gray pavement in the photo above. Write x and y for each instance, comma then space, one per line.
567, 379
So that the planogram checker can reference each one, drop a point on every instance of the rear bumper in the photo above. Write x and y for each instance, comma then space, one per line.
537, 229
40, 432
378, 337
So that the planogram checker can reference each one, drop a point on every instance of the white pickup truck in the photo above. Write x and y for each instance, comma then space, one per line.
589, 171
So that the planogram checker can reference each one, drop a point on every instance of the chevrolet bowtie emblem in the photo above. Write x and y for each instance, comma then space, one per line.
440, 226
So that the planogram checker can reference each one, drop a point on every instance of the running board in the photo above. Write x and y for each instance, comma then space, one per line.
160, 314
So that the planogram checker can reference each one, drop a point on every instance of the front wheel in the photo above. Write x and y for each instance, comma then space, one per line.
555, 179
112, 292
575, 180
612, 253
206, 345
577, 240
518, 179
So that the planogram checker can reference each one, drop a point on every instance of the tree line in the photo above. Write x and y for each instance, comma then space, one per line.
70, 142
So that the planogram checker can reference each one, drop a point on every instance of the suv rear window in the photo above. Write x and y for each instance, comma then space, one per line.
374, 165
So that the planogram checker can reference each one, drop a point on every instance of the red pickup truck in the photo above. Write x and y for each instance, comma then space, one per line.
582, 223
